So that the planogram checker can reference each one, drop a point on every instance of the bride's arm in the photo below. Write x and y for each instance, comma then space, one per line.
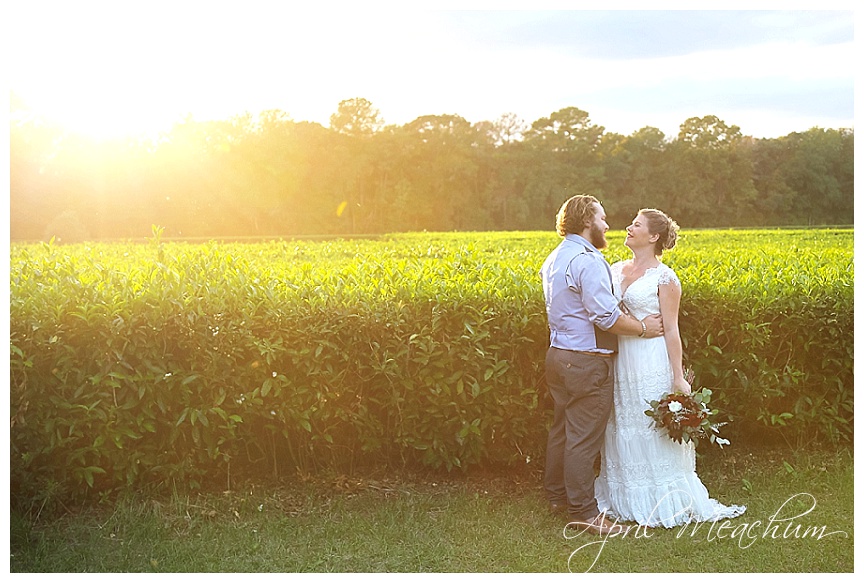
670, 300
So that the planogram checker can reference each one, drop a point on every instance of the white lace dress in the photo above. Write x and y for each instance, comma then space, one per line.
645, 476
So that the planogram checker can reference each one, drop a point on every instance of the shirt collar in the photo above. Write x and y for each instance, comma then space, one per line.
574, 238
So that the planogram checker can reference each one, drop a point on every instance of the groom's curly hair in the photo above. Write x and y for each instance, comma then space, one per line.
575, 214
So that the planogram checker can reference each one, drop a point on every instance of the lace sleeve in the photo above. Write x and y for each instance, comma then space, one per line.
616, 278
668, 276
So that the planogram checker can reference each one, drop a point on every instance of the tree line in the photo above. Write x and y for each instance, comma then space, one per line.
269, 175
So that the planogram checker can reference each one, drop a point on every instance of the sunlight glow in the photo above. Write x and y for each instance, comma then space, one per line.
126, 73
110, 69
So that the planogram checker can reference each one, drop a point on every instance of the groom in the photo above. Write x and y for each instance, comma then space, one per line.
584, 319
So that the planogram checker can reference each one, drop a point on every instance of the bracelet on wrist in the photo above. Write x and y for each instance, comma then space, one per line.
644, 329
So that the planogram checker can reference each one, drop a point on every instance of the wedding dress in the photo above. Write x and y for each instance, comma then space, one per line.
645, 476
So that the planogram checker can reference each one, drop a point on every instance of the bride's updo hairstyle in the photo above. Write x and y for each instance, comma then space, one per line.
577, 212
659, 223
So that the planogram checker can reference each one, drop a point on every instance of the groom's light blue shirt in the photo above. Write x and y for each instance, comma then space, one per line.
577, 285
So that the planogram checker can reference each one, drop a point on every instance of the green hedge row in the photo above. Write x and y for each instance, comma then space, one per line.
183, 364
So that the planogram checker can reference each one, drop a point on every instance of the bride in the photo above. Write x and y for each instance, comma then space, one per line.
645, 476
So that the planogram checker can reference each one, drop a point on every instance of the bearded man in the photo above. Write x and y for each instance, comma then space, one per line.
584, 319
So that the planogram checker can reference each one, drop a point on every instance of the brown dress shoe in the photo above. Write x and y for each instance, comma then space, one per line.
597, 525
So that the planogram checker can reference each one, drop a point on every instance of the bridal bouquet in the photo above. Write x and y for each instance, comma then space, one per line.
687, 417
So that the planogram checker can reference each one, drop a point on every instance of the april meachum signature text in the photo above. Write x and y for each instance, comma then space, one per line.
783, 524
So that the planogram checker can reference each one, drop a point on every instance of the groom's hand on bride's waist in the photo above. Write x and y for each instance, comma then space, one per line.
653, 326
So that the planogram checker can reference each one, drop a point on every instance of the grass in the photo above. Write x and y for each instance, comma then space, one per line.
452, 523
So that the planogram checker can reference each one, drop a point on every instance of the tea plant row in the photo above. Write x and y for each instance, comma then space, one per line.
164, 363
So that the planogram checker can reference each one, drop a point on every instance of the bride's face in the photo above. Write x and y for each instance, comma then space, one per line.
638, 235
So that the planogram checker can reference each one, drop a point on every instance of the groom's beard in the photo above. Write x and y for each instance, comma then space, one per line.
597, 237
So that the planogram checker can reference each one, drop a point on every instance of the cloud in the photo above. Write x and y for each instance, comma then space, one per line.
626, 68
641, 34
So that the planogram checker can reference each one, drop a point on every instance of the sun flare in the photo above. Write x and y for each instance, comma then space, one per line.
98, 120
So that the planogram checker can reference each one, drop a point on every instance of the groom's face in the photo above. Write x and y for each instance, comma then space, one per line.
598, 228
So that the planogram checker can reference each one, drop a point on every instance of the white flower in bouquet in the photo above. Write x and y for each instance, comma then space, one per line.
686, 417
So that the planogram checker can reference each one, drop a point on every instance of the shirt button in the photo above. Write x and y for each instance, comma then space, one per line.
568, 365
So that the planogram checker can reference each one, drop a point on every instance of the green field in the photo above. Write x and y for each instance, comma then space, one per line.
799, 519
150, 363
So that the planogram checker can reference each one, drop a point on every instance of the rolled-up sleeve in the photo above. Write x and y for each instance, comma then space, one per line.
588, 276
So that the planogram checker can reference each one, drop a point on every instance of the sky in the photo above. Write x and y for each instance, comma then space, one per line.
118, 67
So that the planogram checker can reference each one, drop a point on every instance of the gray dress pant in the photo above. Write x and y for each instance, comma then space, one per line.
581, 386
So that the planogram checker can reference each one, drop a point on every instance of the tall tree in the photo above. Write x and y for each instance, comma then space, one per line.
272, 176
356, 117
820, 173
357, 122
714, 175
508, 129
564, 146
438, 163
